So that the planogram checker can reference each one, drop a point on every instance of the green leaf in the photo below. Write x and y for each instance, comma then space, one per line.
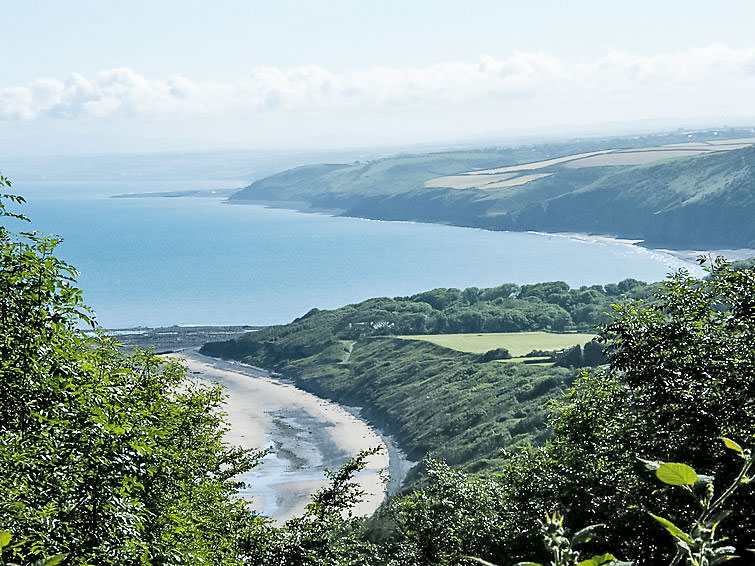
672, 473
526, 564
586, 534
713, 521
5, 538
675, 531
721, 559
731, 445
51, 561
598, 560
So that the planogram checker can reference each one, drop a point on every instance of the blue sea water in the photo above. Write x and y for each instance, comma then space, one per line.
201, 261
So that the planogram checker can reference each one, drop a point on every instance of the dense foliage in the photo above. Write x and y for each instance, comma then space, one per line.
107, 457
111, 457
507, 308
436, 400
681, 377
463, 408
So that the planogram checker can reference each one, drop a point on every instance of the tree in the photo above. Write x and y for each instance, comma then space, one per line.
452, 516
681, 375
327, 533
107, 456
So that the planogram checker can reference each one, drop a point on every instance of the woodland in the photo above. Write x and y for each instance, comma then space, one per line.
116, 457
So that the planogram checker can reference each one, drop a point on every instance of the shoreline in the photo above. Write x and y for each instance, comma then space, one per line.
685, 255
304, 433
692, 255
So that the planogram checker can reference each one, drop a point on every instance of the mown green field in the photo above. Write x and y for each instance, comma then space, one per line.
517, 343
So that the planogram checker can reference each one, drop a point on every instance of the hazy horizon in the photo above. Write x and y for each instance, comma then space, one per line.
105, 77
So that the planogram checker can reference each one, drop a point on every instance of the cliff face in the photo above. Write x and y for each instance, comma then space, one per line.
704, 201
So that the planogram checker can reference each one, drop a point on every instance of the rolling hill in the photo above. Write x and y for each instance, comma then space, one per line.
459, 405
696, 194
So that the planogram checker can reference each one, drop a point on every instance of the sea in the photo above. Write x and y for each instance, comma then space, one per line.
163, 261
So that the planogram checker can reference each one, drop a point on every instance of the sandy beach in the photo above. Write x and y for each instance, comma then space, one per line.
304, 433
687, 256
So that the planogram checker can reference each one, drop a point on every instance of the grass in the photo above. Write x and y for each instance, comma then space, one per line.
639, 157
467, 181
497, 178
521, 180
534, 361
481, 181
517, 343
537, 164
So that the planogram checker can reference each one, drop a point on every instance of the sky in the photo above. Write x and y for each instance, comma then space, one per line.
106, 76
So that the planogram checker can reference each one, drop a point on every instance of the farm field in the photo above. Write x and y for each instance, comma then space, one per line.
484, 181
657, 191
538, 164
517, 343
638, 157
521, 180
516, 175
467, 181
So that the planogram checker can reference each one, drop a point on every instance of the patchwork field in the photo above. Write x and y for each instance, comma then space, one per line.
484, 180
467, 181
538, 164
653, 188
517, 343
639, 157
517, 175
739, 142
516, 181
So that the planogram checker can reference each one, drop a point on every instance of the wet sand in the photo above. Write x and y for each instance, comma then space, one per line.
304, 433
687, 256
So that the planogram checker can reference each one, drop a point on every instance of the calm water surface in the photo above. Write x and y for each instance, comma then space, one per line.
165, 261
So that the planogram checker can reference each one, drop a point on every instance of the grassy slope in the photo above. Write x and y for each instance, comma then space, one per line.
707, 200
435, 400
517, 343
453, 404
702, 201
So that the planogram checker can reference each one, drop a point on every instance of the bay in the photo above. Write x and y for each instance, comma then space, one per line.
199, 261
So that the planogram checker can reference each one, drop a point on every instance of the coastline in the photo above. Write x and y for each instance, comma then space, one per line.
687, 256
304, 434
692, 255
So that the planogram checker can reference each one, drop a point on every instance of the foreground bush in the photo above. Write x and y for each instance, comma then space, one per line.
115, 458
107, 457
681, 376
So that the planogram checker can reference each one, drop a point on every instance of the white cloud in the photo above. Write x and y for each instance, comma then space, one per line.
713, 80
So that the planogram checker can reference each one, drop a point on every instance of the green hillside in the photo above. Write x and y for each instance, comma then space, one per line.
516, 343
701, 201
460, 406
116, 457
697, 194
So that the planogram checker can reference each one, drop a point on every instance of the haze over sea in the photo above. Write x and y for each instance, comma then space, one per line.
199, 261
